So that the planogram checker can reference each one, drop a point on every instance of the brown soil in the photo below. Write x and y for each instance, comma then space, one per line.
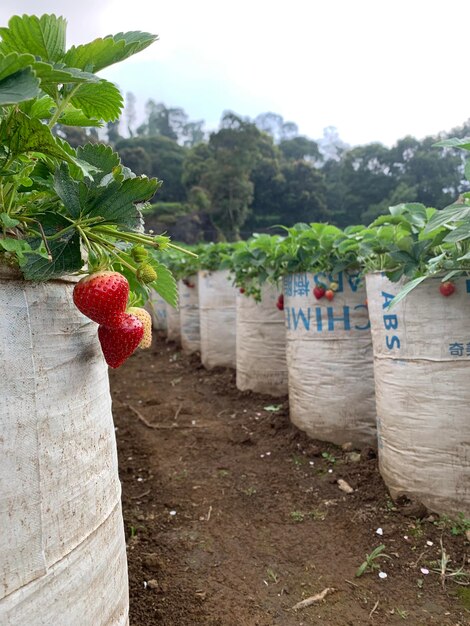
233, 516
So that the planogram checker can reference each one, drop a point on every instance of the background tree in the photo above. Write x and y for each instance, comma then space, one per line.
112, 131
300, 148
331, 146
274, 125
130, 112
250, 174
164, 160
78, 136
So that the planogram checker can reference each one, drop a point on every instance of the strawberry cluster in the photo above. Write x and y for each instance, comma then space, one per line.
320, 291
102, 297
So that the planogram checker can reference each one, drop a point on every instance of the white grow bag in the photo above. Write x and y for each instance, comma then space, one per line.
217, 311
157, 309
62, 546
261, 344
173, 323
329, 360
189, 314
422, 367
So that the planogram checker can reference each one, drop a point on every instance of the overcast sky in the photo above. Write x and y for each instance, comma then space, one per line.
376, 69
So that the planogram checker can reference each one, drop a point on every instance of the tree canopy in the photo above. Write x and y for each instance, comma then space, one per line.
250, 174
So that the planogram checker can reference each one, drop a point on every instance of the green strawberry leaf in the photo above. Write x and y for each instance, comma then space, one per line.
116, 202
14, 62
68, 190
40, 108
65, 251
467, 170
78, 167
43, 108
454, 142
74, 117
18, 87
135, 41
22, 134
18, 82
7, 221
101, 100
101, 157
44, 36
165, 285
18, 246
103, 52
51, 76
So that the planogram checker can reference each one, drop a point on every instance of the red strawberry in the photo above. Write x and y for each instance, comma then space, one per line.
242, 290
102, 297
447, 288
280, 302
329, 294
119, 343
319, 292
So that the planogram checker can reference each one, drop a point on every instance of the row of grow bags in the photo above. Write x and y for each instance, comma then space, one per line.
356, 371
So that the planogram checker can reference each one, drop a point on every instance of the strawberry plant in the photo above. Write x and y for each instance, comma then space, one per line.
65, 211
416, 242
318, 248
182, 264
217, 256
254, 263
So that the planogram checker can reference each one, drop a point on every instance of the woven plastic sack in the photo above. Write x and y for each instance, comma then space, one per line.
173, 323
157, 309
422, 363
261, 344
329, 360
217, 311
189, 314
62, 548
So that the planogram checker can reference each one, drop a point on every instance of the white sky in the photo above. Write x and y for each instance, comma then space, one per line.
377, 70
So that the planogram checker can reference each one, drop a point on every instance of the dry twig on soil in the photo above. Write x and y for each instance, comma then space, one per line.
374, 608
139, 415
146, 493
317, 598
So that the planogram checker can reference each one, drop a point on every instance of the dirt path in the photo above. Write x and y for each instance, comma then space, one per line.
233, 516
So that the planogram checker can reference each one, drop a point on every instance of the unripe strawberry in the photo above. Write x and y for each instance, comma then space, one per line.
334, 286
319, 292
146, 273
120, 342
447, 288
139, 253
329, 294
280, 302
102, 297
145, 318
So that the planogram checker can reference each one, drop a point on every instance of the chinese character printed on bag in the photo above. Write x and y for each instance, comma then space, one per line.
456, 349
301, 285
